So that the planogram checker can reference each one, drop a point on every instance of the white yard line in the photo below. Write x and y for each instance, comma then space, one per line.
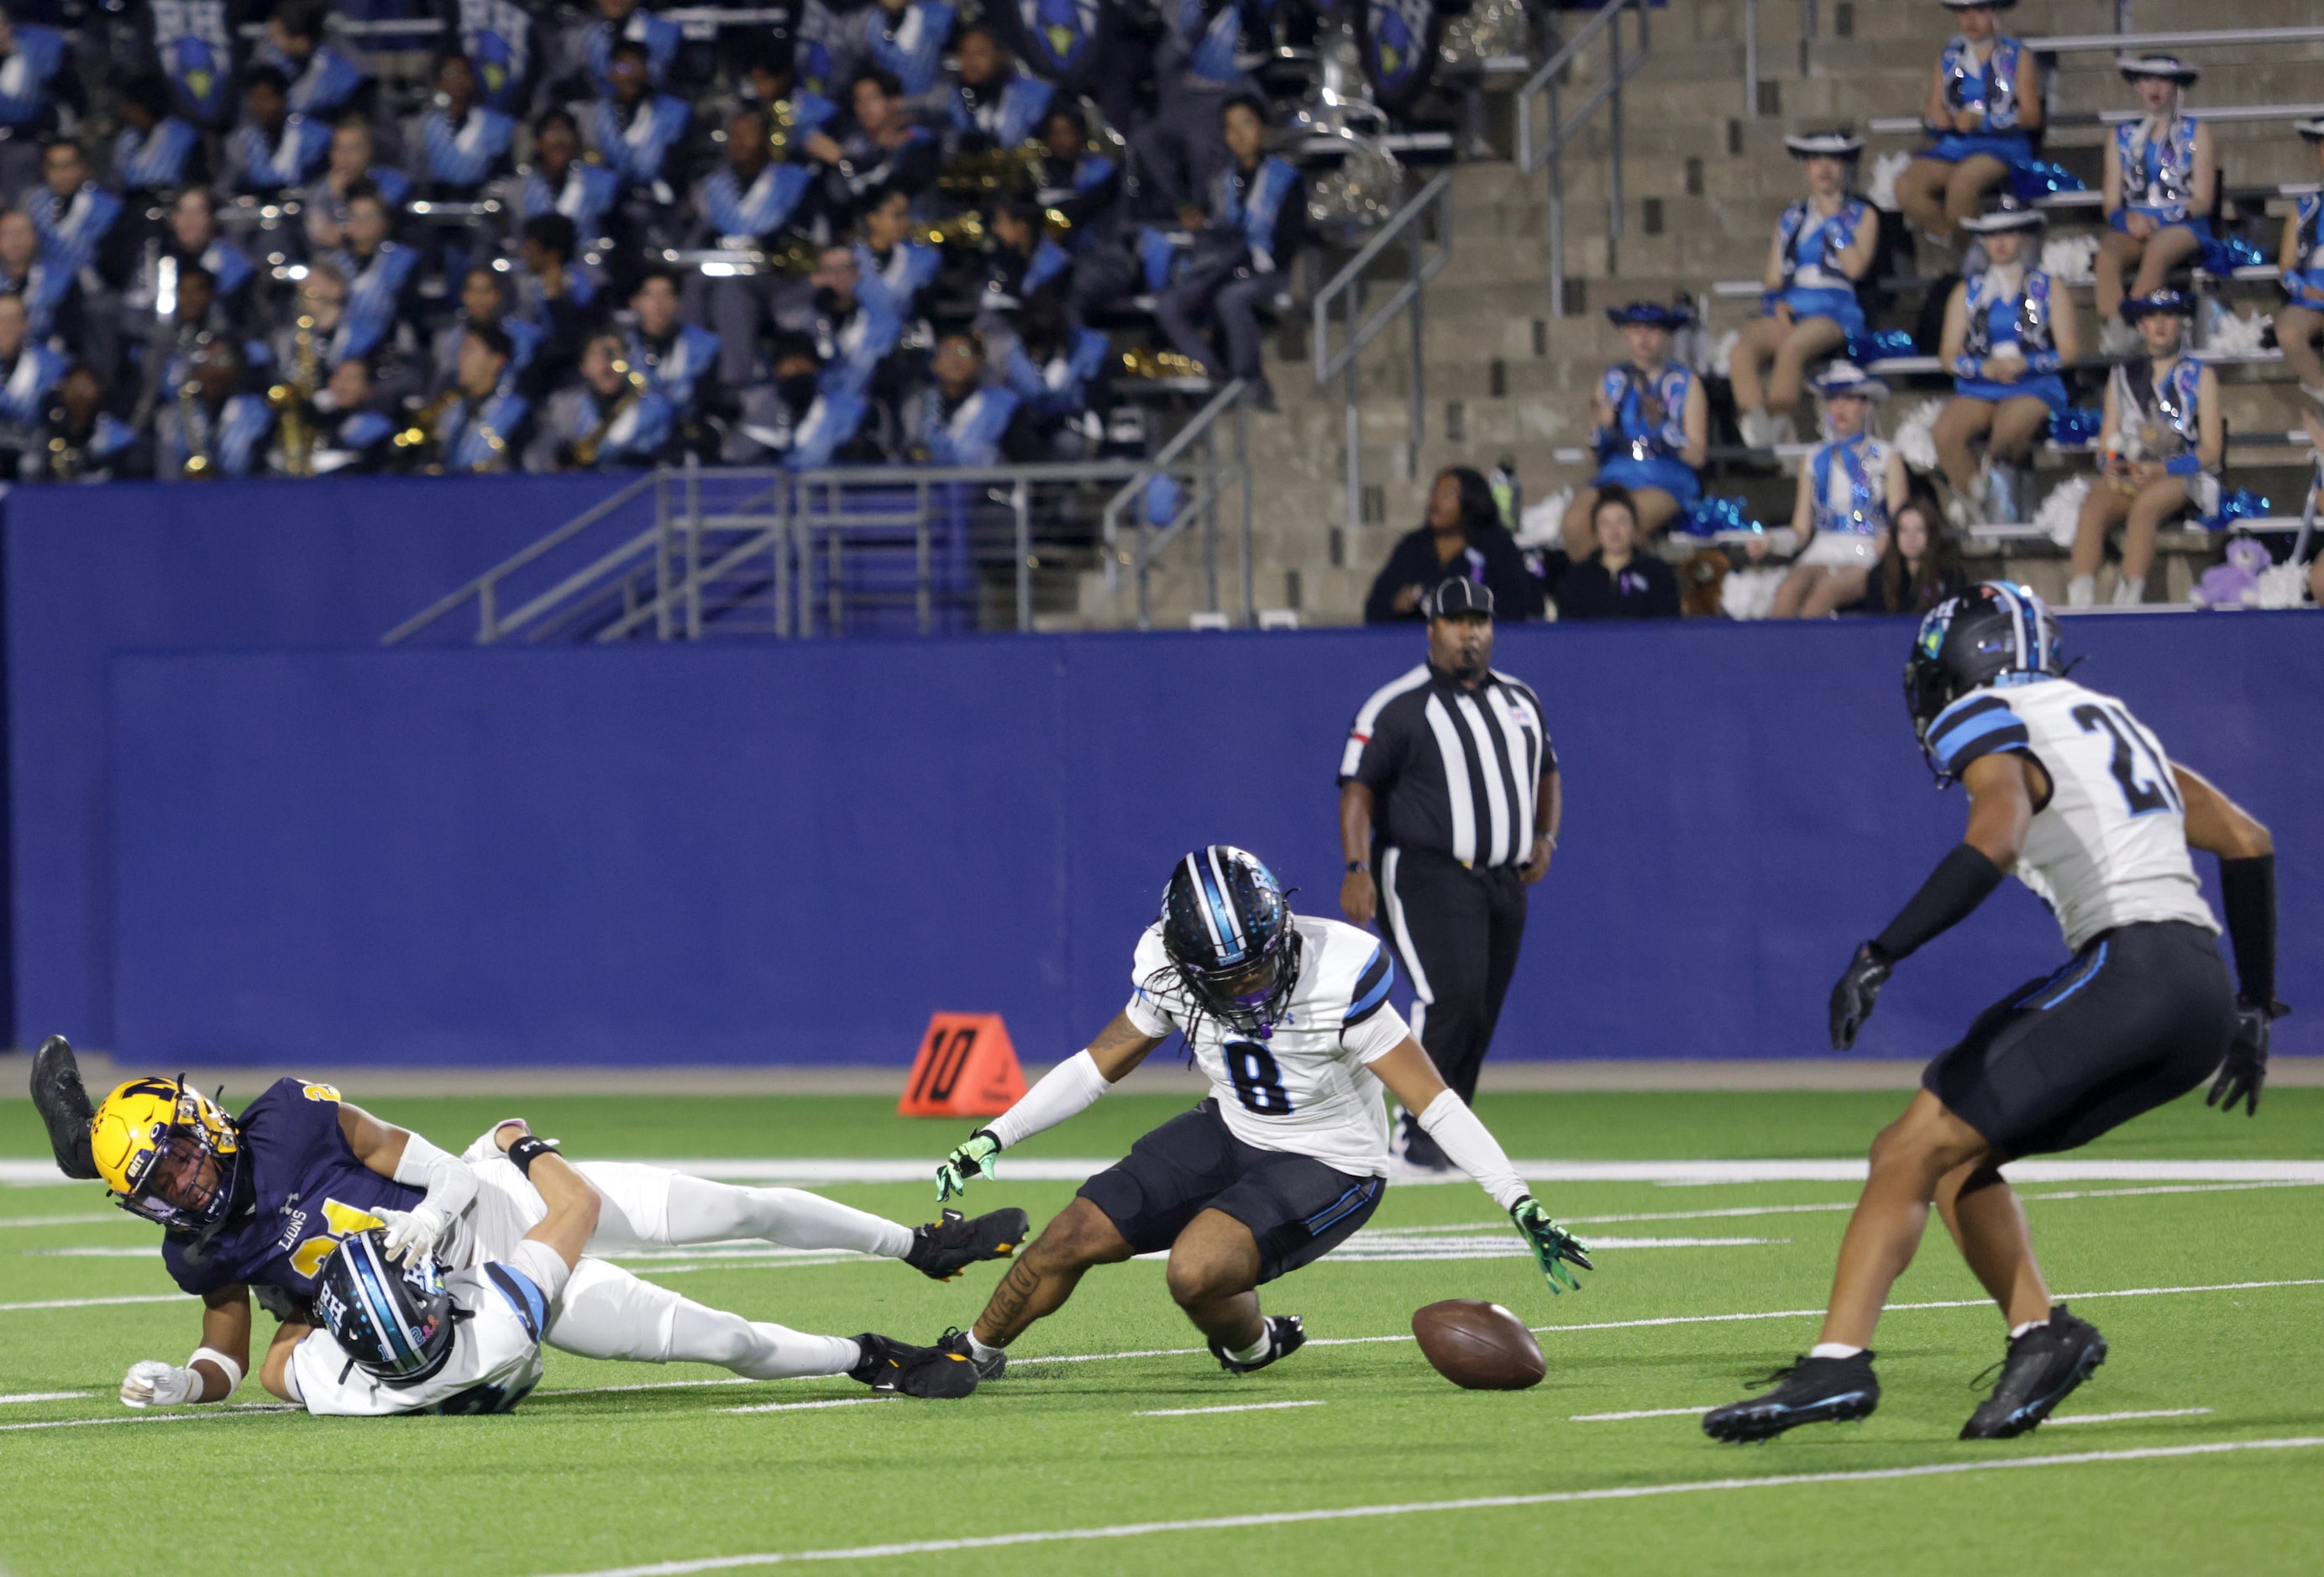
1644, 1413
115, 1251
45, 1396
801, 1407
2120, 1418
173, 1417
97, 1218
736, 1380
1236, 1407
92, 1303
1479, 1503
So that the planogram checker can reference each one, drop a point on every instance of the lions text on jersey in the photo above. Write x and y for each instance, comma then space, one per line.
501, 1310
1305, 1088
2110, 847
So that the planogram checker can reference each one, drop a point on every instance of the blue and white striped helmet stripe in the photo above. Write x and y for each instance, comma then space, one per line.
379, 1304
1234, 948
1207, 907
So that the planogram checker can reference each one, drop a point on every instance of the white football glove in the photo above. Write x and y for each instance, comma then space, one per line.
412, 1234
151, 1383
487, 1145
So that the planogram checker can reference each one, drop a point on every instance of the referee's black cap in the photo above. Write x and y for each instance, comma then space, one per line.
1455, 598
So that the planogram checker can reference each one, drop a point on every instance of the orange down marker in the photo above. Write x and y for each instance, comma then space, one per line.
966, 1068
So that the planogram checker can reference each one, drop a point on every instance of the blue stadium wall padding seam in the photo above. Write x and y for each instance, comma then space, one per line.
793, 853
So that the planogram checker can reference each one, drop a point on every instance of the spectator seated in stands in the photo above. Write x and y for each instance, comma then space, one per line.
50, 294
79, 439
991, 104
36, 76
460, 145
678, 360
2302, 258
1195, 77
854, 330
1822, 245
1650, 426
1849, 489
28, 372
274, 151
156, 153
958, 419
888, 263
770, 83
1462, 536
1922, 564
1025, 267
557, 296
1985, 103
1052, 368
638, 133
792, 422
79, 222
204, 428
560, 181
904, 38
355, 429
595, 43
1243, 241
479, 424
2158, 455
1084, 188
323, 83
1618, 580
747, 204
192, 320
483, 299
610, 418
194, 237
2008, 332
352, 161
382, 276
2162, 180
884, 150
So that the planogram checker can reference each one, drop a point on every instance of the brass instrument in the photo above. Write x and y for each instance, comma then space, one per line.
64, 460
1146, 363
987, 170
782, 120
965, 229
291, 399
191, 420
585, 449
416, 438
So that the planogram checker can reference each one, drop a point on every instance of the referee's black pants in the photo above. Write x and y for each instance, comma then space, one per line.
1456, 933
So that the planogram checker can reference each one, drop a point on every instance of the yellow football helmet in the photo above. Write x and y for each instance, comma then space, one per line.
169, 1153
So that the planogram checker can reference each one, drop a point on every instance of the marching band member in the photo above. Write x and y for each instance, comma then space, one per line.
203, 429
746, 205
958, 419
610, 418
275, 149
156, 153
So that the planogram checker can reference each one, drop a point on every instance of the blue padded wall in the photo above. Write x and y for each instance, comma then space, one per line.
792, 853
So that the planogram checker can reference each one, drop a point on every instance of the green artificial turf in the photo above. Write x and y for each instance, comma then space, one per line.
584, 1482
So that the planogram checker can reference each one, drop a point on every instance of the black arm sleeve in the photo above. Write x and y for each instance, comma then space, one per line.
2248, 887
1962, 880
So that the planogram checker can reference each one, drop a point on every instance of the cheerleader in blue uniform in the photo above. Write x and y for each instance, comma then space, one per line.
1822, 245
2160, 179
1984, 104
1650, 426
2301, 261
2008, 332
1849, 489
2159, 452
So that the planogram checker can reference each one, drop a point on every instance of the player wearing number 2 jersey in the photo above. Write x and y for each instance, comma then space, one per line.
1288, 1156
2068, 787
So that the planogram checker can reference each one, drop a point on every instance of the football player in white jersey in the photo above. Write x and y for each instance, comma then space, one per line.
1289, 1017
2077, 795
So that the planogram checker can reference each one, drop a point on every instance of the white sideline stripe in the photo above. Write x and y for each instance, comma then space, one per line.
2075, 1418
2119, 1418
1236, 1407
45, 1396
738, 1379
1649, 1412
92, 1303
799, 1407
1478, 1503
251, 1411
141, 1251
96, 1218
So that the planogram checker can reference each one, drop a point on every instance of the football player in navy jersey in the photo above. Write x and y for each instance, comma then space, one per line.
2076, 796
1289, 1017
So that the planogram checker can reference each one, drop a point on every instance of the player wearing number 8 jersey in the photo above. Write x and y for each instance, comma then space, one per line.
1290, 1017
2070, 790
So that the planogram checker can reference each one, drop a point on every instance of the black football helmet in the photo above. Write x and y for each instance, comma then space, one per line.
394, 1320
1994, 629
1228, 932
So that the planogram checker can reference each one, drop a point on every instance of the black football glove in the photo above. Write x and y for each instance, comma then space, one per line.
2245, 1069
1859, 989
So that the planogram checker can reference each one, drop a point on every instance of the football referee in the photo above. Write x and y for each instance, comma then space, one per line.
1449, 807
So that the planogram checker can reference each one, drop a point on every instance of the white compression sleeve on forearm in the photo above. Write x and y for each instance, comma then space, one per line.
1067, 1090
448, 1183
226, 1366
1460, 1135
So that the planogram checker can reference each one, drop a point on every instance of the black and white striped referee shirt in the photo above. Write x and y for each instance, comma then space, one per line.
1452, 770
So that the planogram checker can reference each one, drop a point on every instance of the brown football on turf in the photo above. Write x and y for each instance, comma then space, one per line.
1479, 1346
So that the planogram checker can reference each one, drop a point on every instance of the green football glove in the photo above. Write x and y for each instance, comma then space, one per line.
1552, 1246
973, 1160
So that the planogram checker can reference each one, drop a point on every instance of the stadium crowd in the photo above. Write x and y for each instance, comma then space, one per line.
877, 236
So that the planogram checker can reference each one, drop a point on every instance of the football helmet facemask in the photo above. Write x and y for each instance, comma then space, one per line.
392, 1318
169, 1153
1985, 635
1228, 932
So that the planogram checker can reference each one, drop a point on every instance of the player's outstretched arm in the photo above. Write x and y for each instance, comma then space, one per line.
2246, 851
216, 1367
1411, 1077
572, 1205
274, 1374
410, 1159
1067, 1090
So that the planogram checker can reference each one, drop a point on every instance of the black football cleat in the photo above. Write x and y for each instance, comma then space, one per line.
992, 1368
931, 1373
943, 1249
2044, 1366
1284, 1336
64, 1107
1812, 1390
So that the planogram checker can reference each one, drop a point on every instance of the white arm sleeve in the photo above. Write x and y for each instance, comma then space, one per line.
1460, 1135
448, 1183
1067, 1090
226, 1366
542, 1266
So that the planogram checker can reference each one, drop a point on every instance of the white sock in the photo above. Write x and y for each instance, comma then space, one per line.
755, 1348
713, 1212
1833, 1350
2082, 591
2017, 1331
2129, 592
980, 1351
1257, 1349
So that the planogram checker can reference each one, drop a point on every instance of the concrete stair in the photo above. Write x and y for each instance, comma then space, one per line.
1503, 379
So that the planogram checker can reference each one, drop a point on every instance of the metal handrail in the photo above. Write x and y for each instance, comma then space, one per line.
1347, 285
1536, 152
2218, 115
485, 586
1203, 429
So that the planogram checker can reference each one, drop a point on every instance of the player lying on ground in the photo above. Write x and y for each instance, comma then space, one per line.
1290, 1019
259, 1201
2075, 794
